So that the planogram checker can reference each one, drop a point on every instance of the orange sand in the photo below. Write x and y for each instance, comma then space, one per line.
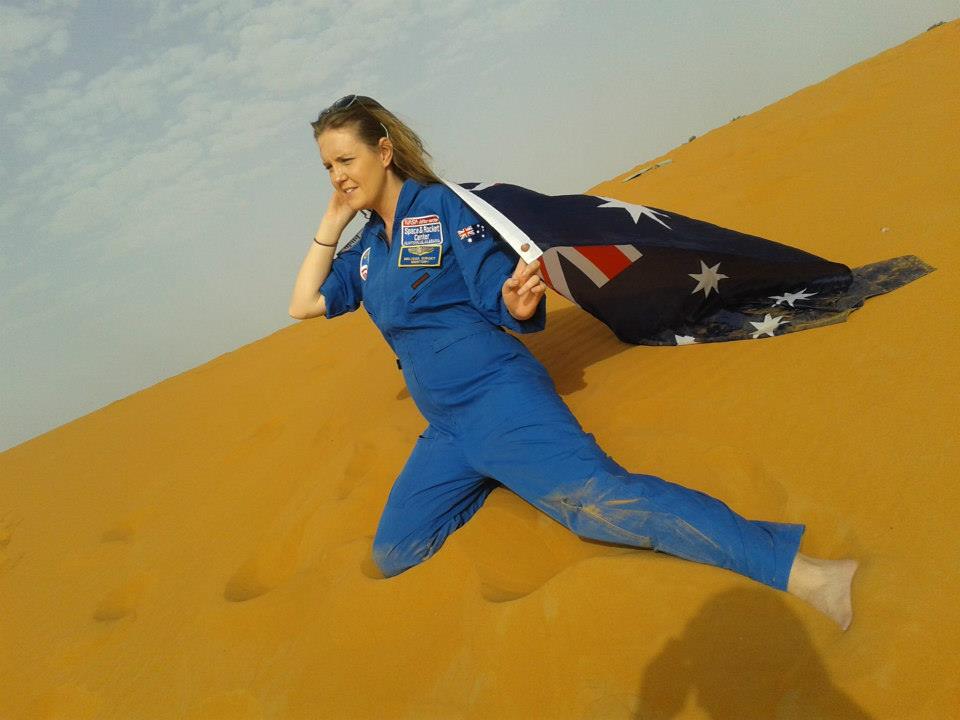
201, 549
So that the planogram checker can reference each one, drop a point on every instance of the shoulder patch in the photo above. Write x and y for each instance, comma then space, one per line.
472, 233
365, 264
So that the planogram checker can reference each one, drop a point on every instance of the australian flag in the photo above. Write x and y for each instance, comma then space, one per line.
657, 277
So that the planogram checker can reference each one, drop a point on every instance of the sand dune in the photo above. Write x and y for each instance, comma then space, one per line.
201, 549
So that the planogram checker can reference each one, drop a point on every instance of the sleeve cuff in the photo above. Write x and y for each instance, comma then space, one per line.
535, 323
332, 291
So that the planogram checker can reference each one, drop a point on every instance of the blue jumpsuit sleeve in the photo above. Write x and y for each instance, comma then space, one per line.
342, 291
486, 263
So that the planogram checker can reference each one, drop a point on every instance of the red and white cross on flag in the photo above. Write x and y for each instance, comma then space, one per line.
600, 263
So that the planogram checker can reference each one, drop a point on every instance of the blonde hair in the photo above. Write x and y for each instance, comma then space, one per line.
371, 121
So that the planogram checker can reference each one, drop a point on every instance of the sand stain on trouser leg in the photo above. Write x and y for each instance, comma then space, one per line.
393, 559
397, 547
647, 511
616, 509
560, 469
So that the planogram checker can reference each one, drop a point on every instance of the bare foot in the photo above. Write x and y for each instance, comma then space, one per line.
825, 584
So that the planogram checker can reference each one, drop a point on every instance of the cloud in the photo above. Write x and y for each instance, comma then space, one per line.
127, 94
28, 36
111, 157
91, 206
167, 14
24, 299
31, 285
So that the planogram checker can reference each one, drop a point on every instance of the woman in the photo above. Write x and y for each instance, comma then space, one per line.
440, 287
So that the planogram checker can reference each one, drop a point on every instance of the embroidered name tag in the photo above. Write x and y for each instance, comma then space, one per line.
419, 256
421, 242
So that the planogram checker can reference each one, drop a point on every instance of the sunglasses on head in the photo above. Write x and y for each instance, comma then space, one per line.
345, 102
342, 104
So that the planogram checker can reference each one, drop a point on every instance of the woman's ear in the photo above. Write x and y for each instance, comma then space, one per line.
386, 151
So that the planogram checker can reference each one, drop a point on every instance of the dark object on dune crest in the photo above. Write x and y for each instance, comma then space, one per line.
647, 169
936, 25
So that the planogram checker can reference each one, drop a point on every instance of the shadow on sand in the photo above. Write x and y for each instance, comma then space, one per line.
745, 655
572, 341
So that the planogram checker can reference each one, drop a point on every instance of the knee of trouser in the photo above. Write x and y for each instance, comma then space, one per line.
393, 558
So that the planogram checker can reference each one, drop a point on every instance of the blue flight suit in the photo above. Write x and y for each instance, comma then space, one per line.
494, 414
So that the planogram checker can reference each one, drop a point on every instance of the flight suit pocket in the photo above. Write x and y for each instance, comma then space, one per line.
463, 332
423, 280
463, 360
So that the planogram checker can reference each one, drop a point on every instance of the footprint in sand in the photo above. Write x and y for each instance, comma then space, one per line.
368, 566
741, 481
361, 465
539, 547
613, 706
268, 567
325, 521
123, 601
748, 487
264, 435
232, 705
7, 527
74, 701
129, 526
122, 531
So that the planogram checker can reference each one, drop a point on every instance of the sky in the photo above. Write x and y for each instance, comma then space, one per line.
161, 185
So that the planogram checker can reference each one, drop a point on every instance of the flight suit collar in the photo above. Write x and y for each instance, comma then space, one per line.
408, 193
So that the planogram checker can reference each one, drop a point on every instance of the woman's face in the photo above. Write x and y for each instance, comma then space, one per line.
356, 169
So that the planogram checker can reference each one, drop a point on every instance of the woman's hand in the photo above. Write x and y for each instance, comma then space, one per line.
523, 290
339, 213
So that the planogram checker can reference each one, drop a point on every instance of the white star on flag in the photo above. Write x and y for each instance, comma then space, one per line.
707, 279
768, 325
635, 210
684, 339
790, 297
